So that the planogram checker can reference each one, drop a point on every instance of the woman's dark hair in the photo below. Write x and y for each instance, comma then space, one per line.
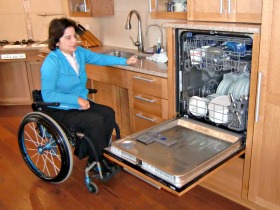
56, 30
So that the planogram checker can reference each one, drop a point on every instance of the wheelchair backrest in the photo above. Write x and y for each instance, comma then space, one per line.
38, 102
37, 96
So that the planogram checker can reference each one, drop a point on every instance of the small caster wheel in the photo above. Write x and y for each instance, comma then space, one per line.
92, 188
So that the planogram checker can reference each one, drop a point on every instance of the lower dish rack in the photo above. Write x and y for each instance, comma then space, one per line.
219, 110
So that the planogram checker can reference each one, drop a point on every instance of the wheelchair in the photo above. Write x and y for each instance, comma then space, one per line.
46, 145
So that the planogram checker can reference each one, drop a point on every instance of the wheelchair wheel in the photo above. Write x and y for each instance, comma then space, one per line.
45, 147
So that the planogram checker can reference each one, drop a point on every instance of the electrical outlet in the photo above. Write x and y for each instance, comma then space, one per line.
87, 26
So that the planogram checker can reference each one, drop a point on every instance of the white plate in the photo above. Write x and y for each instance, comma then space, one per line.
232, 87
238, 88
220, 87
242, 88
227, 86
198, 106
247, 87
218, 109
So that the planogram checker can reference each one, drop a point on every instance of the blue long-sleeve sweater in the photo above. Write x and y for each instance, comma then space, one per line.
59, 81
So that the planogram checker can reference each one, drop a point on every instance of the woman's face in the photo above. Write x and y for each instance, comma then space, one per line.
68, 42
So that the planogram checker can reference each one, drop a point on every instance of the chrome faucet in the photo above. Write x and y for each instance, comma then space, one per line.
139, 42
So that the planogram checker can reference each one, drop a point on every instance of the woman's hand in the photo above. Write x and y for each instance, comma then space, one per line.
84, 104
132, 60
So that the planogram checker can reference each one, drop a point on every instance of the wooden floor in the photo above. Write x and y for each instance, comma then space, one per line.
20, 189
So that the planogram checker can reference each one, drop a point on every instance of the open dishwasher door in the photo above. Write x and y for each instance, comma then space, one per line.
177, 154
213, 83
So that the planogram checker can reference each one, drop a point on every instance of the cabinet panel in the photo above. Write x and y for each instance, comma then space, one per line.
148, 84
149, 104
245, 11
14, 85
210, 10
107, 74
264, 182
141, 120
248, 11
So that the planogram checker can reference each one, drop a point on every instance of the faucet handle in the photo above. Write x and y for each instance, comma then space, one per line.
137, 43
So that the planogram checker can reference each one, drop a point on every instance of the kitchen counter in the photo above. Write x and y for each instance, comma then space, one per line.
28, 52
7, 48
144, 66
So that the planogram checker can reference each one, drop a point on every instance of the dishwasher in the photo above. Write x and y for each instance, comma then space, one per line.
212, 92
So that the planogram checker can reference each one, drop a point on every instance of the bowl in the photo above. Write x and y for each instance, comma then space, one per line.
198, 106
218, 109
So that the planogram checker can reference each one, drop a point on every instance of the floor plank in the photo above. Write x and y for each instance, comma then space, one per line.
20, 189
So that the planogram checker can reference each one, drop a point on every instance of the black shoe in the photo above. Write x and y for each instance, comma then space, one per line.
109, 165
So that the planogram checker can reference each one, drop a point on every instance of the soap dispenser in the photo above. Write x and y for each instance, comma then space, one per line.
158, 45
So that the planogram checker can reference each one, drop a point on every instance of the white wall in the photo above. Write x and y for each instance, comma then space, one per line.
110, 30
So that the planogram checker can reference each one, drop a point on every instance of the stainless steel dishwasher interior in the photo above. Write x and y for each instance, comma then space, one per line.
123, 54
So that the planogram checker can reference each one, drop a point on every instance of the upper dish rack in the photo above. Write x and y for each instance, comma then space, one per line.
217, 53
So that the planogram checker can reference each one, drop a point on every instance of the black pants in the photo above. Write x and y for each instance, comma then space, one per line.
97, 123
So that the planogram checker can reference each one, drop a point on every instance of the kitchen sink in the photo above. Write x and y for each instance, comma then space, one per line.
124, 54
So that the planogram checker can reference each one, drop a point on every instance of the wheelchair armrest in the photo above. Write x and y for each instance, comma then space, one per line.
41, 103
38, 105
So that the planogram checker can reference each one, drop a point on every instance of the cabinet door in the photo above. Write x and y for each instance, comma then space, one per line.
88, 8
210, 10
264, 185
244, 11
14, 85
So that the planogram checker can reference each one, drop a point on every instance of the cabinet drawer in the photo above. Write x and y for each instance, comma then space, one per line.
106, 74
142, 120
149, 104
148, 84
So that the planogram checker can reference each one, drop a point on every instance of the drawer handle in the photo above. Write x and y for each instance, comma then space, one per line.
146, 118
229, 6
258, 98
145, 99
141, 78
221, 6
150, 6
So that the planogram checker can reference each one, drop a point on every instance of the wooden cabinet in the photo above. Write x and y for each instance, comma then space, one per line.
111, 86
148, 100
17, 80
139, 100
264, 179
90, 8
14, 84
225, 10
18, 77
158, 10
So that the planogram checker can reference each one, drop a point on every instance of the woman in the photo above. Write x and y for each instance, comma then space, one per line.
63, 80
